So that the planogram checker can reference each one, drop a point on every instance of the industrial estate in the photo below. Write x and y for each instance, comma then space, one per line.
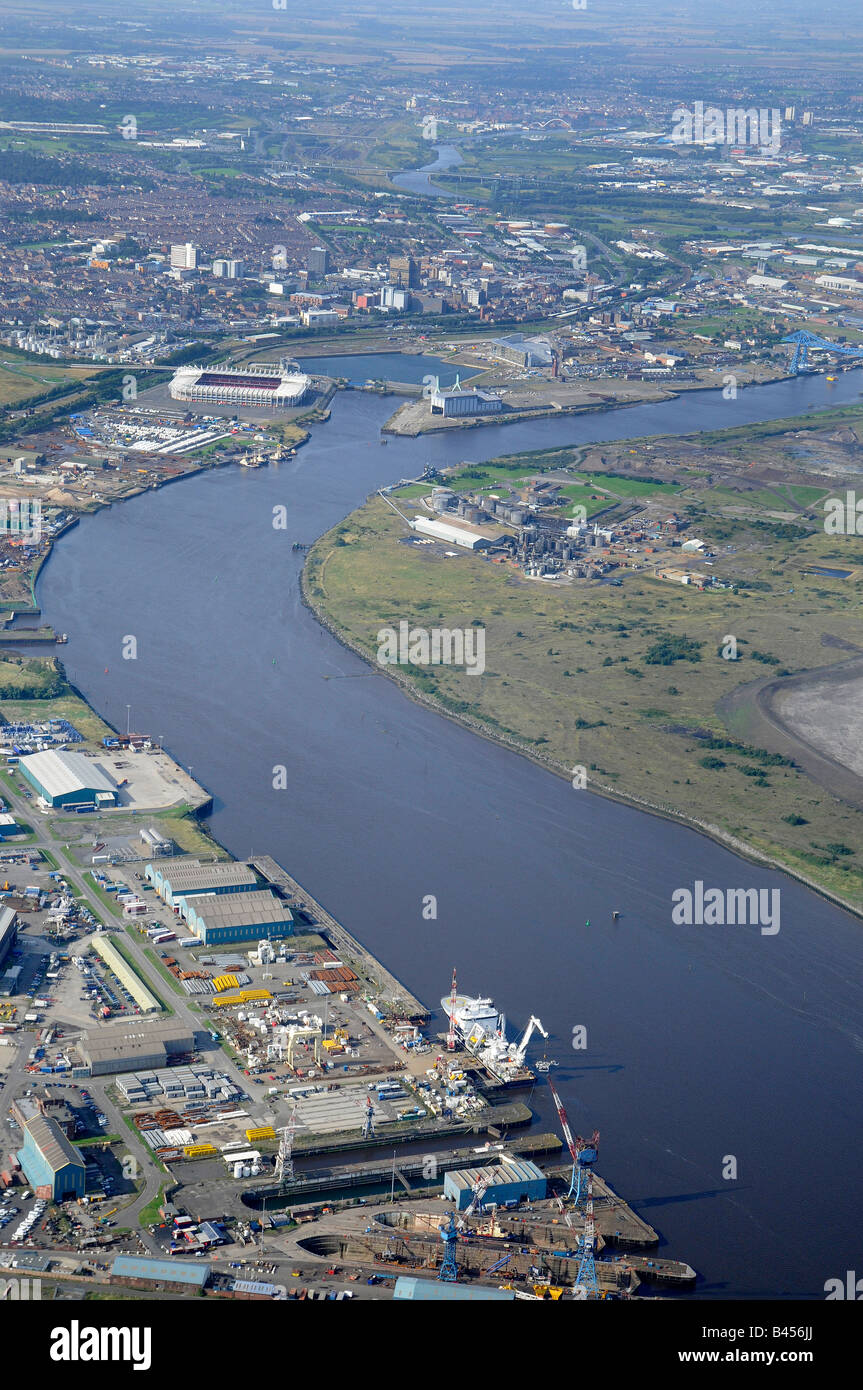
401, 236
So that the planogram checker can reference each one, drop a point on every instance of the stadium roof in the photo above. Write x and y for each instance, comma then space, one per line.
60, 773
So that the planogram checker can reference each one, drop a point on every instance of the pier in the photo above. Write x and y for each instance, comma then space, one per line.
392, 992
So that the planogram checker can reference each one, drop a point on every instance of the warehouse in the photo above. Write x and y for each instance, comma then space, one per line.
216, 919
180, 878
139, 1272
141, 1047
69, 779
457, 401
433, 1290
508, 1182
50, 1161
455, 535
8, 931
147, 1002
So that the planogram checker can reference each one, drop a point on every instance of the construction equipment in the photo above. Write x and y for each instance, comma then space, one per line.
448, 1271
567, 1133
450, 1037
285, 1157
583, 1154
478, 1193
369, 1120
521, 1049
585, 1285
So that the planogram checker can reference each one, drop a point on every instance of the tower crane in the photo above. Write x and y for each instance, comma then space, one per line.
582, 1151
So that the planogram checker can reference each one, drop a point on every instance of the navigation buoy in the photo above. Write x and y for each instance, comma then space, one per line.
106, 670
587, 923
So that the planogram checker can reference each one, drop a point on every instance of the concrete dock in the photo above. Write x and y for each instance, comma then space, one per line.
392, 992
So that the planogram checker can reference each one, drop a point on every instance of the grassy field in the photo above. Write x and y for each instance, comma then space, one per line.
574, 674
21, 380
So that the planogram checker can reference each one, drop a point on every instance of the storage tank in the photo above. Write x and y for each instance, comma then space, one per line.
516, 516
238, 1170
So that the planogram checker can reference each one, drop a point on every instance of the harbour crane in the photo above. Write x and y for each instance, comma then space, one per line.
478, 1193
285, 1156
585, 1282
369, 1120
450, 1037
583, 1152
520, 1051
448, 1271
567, 1132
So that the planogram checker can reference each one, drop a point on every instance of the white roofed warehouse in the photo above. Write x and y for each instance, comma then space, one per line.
69, 779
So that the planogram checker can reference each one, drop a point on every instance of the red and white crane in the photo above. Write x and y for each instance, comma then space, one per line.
450, 1037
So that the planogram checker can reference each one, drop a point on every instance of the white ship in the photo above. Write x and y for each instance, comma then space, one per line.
475, 1019
482, 1031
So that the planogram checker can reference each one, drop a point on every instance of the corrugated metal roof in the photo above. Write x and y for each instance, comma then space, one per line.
435, 1290
195, 877
252, 1286
497, 1174
169, 1271
52, 1144
236, 909
60, 773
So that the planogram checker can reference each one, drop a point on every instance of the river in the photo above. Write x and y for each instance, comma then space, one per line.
420, 181
702, 1042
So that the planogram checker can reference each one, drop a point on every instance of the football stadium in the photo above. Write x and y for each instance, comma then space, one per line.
265, 385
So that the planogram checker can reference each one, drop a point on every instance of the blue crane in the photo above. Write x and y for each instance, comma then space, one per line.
803, 340
448, 1271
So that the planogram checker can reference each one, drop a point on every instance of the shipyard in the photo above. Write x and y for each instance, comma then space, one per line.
200, 1059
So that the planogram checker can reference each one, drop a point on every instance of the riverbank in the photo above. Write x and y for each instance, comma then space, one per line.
669, 749
741, 847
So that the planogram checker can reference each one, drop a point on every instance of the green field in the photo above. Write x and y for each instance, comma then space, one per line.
572, 674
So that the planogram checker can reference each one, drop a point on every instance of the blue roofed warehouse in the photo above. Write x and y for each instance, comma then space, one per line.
509, 1181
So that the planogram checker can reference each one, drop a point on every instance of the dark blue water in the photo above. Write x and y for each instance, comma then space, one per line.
702, 1042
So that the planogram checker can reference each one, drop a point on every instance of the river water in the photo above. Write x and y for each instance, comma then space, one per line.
703, 1042
420, 180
